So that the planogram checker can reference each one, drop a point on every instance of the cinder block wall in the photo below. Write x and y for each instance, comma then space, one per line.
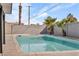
11, 28
8, 28
31, 29
25, 29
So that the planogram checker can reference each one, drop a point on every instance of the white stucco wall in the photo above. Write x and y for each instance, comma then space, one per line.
72, 29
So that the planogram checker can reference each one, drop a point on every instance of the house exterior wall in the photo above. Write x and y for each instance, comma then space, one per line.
7, 7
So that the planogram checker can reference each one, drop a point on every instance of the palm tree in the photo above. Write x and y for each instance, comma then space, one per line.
70, 19
62, 24
49, 22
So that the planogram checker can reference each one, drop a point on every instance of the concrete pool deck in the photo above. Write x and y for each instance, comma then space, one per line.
11, 48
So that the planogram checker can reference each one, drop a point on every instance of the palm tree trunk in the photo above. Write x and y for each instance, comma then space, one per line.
20, 10
64, 33
52, 31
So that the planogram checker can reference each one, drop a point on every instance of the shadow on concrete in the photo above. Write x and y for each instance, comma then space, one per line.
44, 31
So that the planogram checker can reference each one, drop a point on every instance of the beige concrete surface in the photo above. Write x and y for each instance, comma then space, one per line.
11, 47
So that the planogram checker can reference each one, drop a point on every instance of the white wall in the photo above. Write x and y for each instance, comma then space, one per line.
72, 29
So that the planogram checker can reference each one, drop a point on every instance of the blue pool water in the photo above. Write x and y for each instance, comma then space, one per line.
43, 43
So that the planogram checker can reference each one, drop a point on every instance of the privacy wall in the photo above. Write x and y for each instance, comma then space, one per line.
72, 29
25, 29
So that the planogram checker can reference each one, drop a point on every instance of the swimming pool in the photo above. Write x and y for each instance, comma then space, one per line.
45, 43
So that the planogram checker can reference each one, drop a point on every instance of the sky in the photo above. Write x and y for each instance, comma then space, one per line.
39, 12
